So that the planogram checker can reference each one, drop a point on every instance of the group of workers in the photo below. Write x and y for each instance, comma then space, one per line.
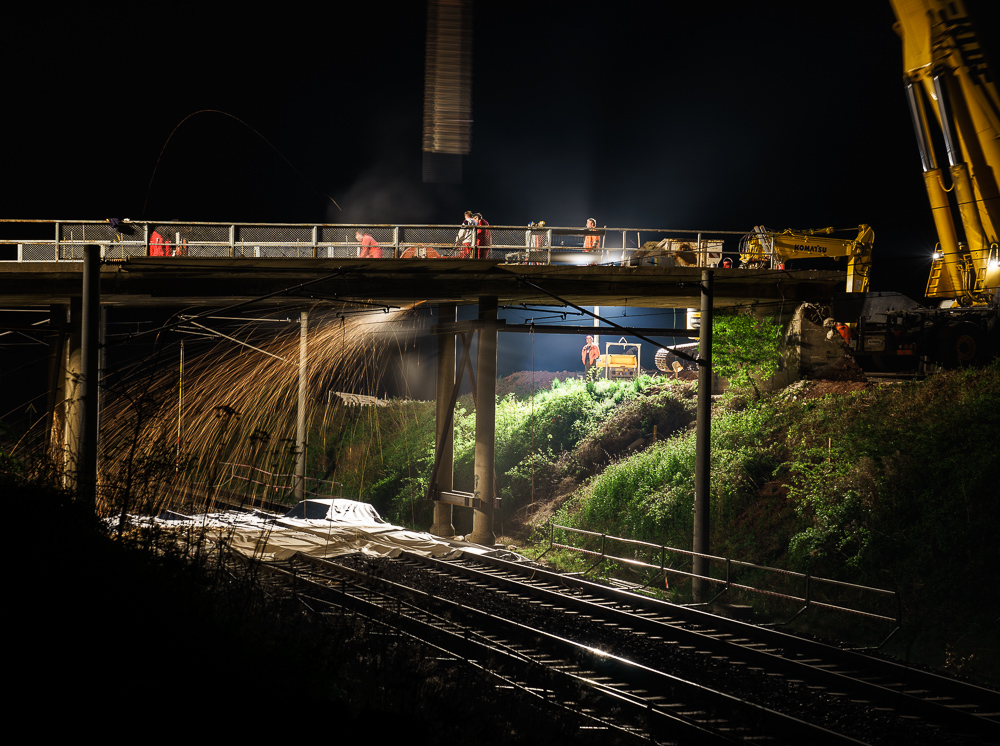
537, 238
159, 246
474, 234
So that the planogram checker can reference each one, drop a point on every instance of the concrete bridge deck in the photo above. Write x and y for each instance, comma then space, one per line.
175, 281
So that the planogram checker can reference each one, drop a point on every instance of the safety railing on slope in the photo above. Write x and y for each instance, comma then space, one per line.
59, 241
809, 587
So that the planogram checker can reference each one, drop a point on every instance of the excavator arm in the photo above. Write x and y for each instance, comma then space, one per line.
953, 100
762, 248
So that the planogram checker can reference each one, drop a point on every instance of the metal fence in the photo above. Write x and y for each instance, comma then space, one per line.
64, 241
724, 574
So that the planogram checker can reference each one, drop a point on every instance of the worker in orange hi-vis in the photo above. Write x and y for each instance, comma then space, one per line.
369, 248
589, 355
591, 242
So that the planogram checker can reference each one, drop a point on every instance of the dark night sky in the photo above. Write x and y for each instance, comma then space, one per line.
685, 115
710, 116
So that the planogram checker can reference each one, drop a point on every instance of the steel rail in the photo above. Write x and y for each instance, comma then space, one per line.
483, 651
912, 692
638, 687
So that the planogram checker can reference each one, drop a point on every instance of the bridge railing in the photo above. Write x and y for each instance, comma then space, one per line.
59, 241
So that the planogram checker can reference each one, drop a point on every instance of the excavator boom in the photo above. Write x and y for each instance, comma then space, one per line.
762, 248
953, 100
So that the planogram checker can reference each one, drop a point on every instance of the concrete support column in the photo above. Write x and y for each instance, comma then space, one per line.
81, 382
55, 409
445, 421
72, 402
300, 425
486, 389
90, 335
703, 446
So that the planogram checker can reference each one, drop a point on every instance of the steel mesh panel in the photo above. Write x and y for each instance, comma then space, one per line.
215, 250
121, 250
70, 251
274, 234
339, 252
536, 238
90, 232
38, 252
440, 237
507, 237
293, 252
196, 233
336, 234
385, 236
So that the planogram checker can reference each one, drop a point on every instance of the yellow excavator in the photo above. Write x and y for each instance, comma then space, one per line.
764, 249
955, 108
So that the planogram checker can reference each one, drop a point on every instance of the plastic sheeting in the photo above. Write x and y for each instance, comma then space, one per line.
320, 528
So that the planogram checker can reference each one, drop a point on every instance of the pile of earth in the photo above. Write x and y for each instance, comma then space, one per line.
524, 382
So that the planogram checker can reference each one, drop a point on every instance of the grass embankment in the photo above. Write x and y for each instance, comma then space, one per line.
890, 486
544, 444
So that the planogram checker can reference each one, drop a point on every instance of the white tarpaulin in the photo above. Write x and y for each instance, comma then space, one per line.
321, 528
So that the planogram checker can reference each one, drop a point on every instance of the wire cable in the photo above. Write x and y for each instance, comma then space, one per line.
149, 188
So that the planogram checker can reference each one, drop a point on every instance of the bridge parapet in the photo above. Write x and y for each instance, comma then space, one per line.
48, 240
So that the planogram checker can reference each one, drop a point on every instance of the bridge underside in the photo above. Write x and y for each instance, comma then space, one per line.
227, 282
169, 281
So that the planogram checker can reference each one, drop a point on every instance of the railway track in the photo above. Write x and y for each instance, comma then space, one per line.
638, 668
941, 701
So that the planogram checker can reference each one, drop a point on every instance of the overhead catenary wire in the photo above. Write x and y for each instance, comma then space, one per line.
624, 329
156, 165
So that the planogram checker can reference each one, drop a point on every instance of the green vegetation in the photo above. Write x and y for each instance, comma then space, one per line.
384, 455
745, 348
890, 486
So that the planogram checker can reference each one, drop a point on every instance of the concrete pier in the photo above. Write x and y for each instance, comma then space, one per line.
486, 389
444, 434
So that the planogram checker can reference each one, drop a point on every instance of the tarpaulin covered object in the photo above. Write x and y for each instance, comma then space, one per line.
320, 528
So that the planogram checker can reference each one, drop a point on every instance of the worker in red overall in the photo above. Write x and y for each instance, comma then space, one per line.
369, 247
158, 246
484, 239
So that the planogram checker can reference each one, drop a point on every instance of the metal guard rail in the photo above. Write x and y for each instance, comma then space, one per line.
727, 582
510, 244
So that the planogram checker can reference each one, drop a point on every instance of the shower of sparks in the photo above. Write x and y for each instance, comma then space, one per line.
170, 437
